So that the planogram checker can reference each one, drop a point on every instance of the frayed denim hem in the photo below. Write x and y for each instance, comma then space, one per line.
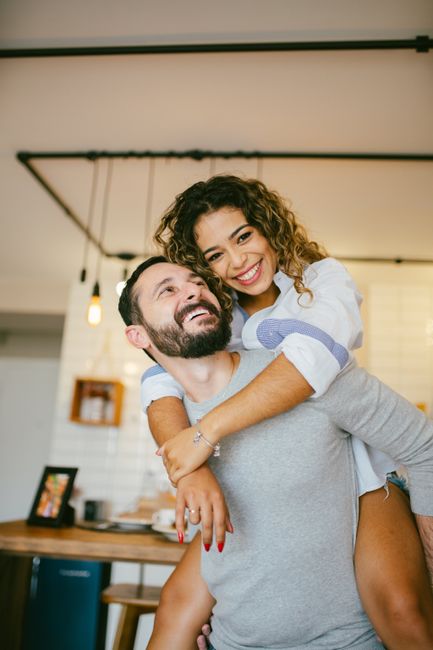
399, 481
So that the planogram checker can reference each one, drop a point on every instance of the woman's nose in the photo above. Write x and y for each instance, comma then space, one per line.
237, 259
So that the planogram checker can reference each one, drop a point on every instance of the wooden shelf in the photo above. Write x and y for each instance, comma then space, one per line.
97, 401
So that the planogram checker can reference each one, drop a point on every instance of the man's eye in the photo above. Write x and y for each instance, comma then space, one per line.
167, 290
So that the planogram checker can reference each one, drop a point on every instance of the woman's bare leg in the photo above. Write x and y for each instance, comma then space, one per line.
391, 573
185, 605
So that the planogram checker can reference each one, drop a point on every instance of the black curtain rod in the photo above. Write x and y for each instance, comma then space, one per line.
421, 43
201, 154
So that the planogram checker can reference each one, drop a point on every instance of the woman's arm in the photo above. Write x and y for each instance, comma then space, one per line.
278, 388
199, 491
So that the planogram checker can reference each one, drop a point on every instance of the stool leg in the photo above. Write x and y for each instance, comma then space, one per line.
127, 628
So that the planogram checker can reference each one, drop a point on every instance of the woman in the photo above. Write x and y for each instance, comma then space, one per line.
289, 296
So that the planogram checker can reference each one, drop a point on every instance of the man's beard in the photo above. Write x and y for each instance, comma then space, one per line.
174, 341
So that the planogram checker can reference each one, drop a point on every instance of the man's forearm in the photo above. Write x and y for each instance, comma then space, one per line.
167, 416
425, 527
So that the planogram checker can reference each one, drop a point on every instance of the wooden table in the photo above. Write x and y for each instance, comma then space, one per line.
18, 541
16, 538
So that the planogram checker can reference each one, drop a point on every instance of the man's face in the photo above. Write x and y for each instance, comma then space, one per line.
180, 315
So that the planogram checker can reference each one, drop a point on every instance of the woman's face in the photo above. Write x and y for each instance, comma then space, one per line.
236, 251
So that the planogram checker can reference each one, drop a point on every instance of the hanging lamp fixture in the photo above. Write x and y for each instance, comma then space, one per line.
94, 309
90, 213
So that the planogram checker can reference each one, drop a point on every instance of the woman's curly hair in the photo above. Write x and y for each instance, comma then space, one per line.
263, 208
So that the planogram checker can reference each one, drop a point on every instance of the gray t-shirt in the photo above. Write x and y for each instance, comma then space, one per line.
285, 578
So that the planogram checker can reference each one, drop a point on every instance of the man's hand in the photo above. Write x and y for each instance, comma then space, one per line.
202, 643
181, 456
201, 494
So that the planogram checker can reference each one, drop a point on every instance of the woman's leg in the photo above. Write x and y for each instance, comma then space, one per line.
185, 605
391, 573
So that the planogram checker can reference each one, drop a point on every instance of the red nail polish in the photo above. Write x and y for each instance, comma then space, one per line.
220, 546
206, 547
180, 536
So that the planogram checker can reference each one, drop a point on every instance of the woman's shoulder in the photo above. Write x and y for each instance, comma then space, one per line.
328, 269
327, 263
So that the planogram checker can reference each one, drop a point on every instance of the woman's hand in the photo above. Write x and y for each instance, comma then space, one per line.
201, 494
181, 456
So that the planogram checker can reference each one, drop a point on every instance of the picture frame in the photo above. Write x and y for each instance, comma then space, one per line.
50, 505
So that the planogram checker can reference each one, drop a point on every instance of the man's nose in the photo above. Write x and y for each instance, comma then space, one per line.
192, 291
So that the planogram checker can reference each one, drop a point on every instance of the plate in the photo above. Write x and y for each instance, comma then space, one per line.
130, 522
169, 532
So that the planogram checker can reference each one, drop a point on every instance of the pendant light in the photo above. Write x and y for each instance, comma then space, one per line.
94, 309
149, 204
90, 213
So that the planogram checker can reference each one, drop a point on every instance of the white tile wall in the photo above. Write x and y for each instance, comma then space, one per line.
112, 460
401, 338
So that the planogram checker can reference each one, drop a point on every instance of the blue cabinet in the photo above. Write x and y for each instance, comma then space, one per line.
64, 610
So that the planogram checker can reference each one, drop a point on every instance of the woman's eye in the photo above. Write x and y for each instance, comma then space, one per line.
244, 236
213, 258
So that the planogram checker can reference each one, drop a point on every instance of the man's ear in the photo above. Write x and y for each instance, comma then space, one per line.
137, 336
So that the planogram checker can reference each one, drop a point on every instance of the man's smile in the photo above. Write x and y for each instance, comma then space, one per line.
201, 310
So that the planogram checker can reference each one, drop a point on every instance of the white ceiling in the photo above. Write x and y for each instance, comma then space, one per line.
373, 101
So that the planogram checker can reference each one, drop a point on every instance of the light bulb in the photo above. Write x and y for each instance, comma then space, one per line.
119, 287
94, 310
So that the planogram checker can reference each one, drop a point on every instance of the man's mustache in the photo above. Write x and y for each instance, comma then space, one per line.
182, 313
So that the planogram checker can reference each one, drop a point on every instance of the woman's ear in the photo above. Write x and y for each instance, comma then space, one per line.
137, 336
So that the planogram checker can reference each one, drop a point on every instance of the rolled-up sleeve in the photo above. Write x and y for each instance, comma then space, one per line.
317, 333
157, 383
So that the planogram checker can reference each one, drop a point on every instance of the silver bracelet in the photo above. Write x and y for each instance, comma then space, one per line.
199, 436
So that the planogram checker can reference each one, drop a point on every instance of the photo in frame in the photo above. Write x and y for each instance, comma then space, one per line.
50, 506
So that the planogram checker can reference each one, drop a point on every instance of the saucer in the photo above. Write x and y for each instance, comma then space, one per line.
169, 532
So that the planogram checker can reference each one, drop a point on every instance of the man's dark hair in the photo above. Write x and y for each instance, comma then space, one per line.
128, 301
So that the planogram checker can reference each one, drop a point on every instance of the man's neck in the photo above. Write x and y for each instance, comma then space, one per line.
201, 378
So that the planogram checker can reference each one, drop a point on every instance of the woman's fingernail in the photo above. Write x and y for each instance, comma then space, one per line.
206, 547
230, 527
180, 536
220, 546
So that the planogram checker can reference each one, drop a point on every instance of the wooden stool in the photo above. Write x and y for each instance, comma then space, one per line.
135, 600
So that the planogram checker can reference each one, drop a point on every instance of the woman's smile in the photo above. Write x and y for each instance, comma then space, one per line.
250, 275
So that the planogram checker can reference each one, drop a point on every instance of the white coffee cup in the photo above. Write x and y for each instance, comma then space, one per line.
164, 517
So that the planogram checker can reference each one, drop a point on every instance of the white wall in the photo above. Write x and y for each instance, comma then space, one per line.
27, 398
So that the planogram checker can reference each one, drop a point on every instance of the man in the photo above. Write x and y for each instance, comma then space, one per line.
286, 577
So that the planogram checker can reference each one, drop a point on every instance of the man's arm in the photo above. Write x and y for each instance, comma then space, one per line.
199, 491
362, 405
365, 407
